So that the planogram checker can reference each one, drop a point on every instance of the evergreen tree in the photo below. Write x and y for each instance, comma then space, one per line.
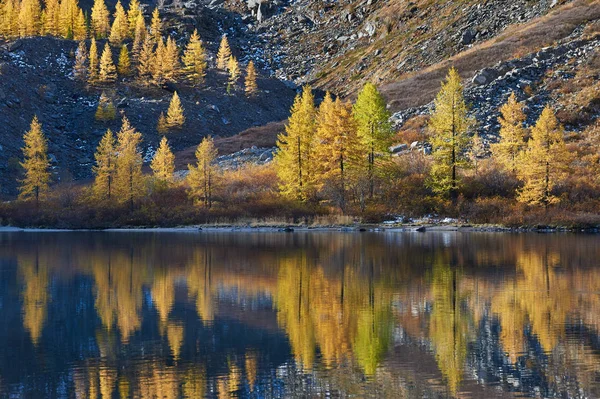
81, 59
128, 176
9, 12
170, 61
133, 15
51, 18
224, 54
100, 19
374, 129
163, 163
93, 62
105, 168
477, 151
162, 127
108, 72
156, 27
250, 83
69, 21
36, 164
194, 59
139, 35
449, 125
124, 67
545, 161
106, 110
30, 13
158, 65
203, 177
512, 134
120, 26
79, 26
145, 60
337, 155
234, 72
294, 157
175, 118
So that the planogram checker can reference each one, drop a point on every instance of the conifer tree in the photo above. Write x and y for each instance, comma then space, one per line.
145, 60
51, 18
162, 127
374, 129
128, 176
9, 28
81, 59
545, 161
79, 26
194, 59
234, 73
106, 110
107, 72
36, 164
294, 156
337, 155
449, 125
67, 17
512, 134
156, 27
30, 13
120, 26
139, 35
124, 67
93, 62
477, 151
100, 19
204, 176
224, 54
170, 61
133, 15
163, 163
158, 64
250, 83
175, 118
105, 168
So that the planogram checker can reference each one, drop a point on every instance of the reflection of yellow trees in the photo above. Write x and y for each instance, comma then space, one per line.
251, 366
194, 383
448, 325
229, 385
34, 272
175, 337
157, 381
199, 284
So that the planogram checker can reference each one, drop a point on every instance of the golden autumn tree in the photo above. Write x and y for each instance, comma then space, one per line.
338, 153
106, 110
156, 26
105, 168
80, 68
175, 118
512, 134
450, 126
477, 151
294, 156
544, 163
224, 53
374, 129
80, 29
9, 14
163, 163
134, 13
194, 59
36, 165
120, 27
93, 62
30, 13
68, 19
107, 72
145, 60
161, 126
100, 19
250, 85
170, 61
124, 66
51, 18
139, 35
128, 178
234, 73
203, 177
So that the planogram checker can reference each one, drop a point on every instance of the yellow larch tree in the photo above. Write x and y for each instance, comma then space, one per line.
105, 168
156, 27
158, 63
30, 13
93, 62
194, 59
338, 151
129, 180
477, 151
124, 66
100, 19
170, 61
294, 156
120, 26
36, 165
512, 134
374, 130
545, 161
107, 72
224, 54
81, 58
51, 18
106, 110
234, 73
71, 20
250, 83
139, 35
163, 163
175, 118
449, 125
133, 14
145, 60
203, 177
9, 14
80, 31
161, 126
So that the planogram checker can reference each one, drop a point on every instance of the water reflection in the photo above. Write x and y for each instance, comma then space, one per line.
170, 315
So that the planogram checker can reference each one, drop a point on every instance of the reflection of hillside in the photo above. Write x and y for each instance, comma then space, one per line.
351, 306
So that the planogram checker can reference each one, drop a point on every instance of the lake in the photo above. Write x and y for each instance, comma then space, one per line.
303, 314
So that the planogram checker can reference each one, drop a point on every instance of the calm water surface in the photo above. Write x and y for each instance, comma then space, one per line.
271, 315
